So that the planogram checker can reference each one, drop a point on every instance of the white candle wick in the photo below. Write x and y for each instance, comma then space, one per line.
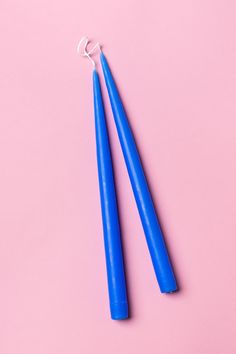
82, 49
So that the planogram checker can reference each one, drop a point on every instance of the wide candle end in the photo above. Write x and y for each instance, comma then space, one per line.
119, 311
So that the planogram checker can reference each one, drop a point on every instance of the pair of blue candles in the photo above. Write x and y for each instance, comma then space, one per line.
112, 240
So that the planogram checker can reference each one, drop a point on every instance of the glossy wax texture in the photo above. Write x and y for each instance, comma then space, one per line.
152, 229
111, 229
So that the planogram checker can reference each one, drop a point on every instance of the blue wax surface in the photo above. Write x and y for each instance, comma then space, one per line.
151, 226
111, 228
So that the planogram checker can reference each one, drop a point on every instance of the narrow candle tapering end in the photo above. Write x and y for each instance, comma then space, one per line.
102, 55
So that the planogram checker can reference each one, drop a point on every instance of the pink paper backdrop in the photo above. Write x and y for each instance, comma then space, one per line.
175, 64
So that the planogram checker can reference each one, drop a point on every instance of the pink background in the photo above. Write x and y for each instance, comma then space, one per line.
175, 65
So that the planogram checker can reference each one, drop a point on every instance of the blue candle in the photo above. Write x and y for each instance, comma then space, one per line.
151, 226
111, 228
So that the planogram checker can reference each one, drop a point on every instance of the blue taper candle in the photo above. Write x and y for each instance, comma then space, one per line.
111, 228
152, 229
